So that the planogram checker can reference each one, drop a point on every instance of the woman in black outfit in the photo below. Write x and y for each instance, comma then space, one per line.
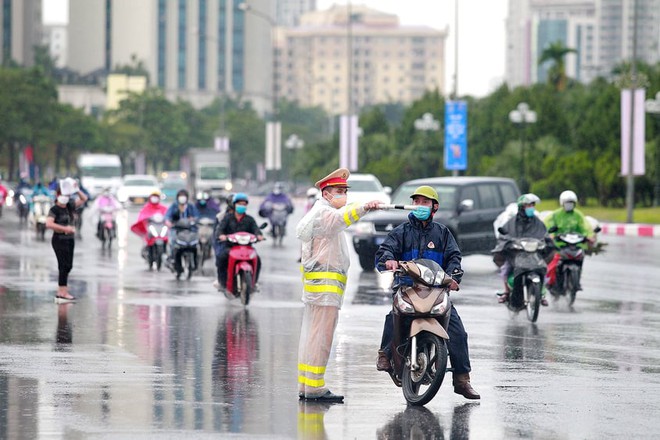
60, 220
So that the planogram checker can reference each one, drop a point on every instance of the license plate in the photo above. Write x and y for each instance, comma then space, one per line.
379, 240
138, 200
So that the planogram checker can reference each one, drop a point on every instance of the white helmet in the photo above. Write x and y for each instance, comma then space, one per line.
312, 192
567, 196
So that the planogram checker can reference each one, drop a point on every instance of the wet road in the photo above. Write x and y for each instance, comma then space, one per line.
142, 355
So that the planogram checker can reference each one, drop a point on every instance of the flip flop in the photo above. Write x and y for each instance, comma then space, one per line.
62, 300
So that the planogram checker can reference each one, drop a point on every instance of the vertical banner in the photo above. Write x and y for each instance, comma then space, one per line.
221, 144
273, 146
455, 135
348, 142
638, 165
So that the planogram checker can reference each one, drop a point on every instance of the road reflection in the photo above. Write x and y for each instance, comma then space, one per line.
522, 342
233, 372
63, 335
311, 424
416, 422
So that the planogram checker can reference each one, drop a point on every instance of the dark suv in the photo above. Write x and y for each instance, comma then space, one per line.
468, 207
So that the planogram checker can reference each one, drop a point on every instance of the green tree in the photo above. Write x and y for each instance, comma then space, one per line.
556, 52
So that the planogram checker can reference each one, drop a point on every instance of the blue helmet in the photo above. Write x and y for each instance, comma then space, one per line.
240, 197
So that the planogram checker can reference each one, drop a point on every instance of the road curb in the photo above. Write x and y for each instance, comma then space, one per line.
631, 229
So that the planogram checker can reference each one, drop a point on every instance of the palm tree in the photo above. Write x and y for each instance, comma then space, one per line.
556, 52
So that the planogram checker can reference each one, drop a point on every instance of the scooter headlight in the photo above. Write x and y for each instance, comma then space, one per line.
440, 309
152, 231
403, 305
163, 232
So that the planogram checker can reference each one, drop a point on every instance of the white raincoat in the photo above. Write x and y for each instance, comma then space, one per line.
325, 261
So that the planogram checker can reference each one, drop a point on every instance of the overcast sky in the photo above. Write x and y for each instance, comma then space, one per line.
481, 42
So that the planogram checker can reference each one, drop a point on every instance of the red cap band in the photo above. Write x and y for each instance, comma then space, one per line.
335, 181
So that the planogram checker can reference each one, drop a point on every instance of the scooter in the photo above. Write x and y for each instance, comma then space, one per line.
569, 267
421, 315
22, 204
184, 248
205, 231
242, 266
108, 226
41, 204
156, 241
527, 257
278, 216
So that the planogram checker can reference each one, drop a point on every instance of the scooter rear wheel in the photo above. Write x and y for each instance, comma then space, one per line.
420, 386
245, 286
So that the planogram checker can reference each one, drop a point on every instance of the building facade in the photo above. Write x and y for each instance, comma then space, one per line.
20, 30
344, 66
601, 31
195, 50
289, 11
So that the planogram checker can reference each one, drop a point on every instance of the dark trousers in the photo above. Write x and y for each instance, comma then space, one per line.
457, 344
221, 261
63, 248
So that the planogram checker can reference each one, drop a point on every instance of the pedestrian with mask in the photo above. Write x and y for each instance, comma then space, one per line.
60, 220
325, 263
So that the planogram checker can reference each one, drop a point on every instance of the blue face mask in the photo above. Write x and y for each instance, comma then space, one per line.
422, 213
529, 212
241, 209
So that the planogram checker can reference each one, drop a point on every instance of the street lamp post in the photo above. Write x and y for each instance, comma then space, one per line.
652, 106
293, 143
427, 124
522, 115
274, 128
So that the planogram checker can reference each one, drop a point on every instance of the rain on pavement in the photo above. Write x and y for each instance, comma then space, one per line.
142, 355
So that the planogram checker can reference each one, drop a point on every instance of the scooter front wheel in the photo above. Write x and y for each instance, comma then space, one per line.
421, 384
245, 286
532, 293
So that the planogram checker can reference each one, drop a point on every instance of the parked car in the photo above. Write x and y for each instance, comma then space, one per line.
136, 188
171, 182
367, 187
468, 207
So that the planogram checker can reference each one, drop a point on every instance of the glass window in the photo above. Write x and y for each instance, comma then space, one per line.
509, 193
470, 192
489, 196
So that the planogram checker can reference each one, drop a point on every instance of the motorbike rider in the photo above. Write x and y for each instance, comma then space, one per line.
3, 195
277, 195
325, 263
421, 237
230, 223
206, 206
181, 208
106, 199
524, 224
567, 219
151, 208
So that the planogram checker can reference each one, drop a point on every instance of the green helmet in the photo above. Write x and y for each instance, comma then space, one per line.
427, 192
527, 199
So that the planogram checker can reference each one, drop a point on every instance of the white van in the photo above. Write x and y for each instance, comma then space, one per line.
99, 171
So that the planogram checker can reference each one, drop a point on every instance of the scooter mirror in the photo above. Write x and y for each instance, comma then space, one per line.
264, 225
501, 230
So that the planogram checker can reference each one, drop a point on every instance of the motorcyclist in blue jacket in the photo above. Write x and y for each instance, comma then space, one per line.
421, 237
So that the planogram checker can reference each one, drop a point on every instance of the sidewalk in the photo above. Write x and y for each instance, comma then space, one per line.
630, 229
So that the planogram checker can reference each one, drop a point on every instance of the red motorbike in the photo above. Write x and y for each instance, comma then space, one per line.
242, 266
155, 234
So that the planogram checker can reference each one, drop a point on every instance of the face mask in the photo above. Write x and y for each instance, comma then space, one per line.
569, 206
241, 209
338, 200
182, 200
62, 200
529, 212
422, 213
202, 202
154, 199
277, 192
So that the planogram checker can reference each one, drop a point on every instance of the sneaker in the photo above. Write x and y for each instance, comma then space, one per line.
257, 287
544, 302
216, 285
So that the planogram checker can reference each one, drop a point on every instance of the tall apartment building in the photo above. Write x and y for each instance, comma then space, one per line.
55, 37
325, 61
289, 11
193, 49
600, 30
20, 30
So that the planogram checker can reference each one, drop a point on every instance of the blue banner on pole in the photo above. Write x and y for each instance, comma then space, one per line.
455, 135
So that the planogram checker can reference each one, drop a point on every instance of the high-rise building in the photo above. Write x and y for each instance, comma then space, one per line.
193, 49
343, 66
20, 30
55, 37
601, 32
289, 11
